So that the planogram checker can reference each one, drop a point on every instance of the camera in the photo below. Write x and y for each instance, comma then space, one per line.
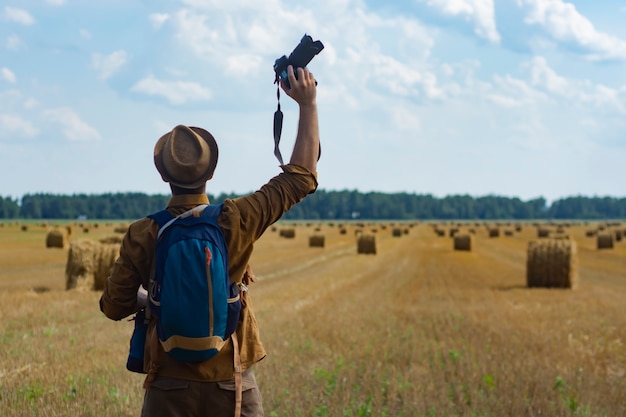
299, 58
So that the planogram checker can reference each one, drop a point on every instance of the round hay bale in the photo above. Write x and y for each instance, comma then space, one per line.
106, 255
453, 231
111, 239
343, 231
552, 263
24, 228
316, 241
396, 232
463, 242
80, 264
366, 244
618, 235
590, 233
508, 232
69, 229
57, 238
287, 233
543, 232
604, 241
123, 228
494, 232
89, 264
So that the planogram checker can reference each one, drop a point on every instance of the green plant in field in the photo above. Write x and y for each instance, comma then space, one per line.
33, 392
489, 382
365, 410
569, 399
329, 377
321, 411
454, 355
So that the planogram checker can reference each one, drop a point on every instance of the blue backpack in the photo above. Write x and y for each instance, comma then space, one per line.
196, 306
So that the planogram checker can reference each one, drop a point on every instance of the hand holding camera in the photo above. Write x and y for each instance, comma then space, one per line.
297, 82
304, 52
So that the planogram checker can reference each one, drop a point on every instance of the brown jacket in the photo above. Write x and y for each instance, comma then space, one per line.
243, 221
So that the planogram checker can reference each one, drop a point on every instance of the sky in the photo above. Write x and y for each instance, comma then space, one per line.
516, 98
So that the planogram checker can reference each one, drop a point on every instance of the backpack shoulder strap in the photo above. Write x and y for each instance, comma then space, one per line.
161, 217
213, 210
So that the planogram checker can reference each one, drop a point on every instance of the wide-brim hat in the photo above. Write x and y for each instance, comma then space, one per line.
186, 156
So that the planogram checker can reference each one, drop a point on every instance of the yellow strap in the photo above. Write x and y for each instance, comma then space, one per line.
193, 343
237, 374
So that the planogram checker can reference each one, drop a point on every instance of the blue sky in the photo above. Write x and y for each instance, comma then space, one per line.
520, 98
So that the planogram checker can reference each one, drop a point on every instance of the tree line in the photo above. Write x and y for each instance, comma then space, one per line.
328, 205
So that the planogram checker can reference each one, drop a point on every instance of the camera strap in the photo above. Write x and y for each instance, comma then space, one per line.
278, 125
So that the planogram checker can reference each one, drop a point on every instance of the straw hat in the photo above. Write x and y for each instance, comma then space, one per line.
186, 156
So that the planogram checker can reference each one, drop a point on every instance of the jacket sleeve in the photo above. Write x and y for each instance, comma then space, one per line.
130, 271
245, 219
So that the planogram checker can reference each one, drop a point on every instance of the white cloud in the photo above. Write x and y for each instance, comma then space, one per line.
565, 24
574, 92
8, 75
56, 2
18, 15
158, 19
13, 42
85, 34
480, 12
544, 76
509, 92
243, 64
176, 92
107, 65
13, 125
73, 127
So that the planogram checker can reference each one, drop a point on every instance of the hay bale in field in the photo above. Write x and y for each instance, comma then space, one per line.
618, 235
440, 232
111, 239
106, 256
316, 241
604, 241
396, 232
543, 232
89, 263
508, 232
287, 233
123, 228
24, 228
552, 263
494, 232
453, 231
69, 229
590, 233
366, 244
343, 231
463, 242
80, 264
57, 238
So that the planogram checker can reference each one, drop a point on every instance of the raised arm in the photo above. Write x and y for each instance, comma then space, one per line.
303, 91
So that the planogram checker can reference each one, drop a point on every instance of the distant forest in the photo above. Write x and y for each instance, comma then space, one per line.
328, 205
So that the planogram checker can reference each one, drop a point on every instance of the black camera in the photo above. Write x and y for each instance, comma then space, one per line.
299, 58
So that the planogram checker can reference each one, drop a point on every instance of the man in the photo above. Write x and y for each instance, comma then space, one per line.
186, 158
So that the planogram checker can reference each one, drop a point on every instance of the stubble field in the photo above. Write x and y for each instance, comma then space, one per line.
416, 330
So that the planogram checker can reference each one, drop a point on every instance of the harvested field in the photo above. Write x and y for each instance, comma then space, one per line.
417, 330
